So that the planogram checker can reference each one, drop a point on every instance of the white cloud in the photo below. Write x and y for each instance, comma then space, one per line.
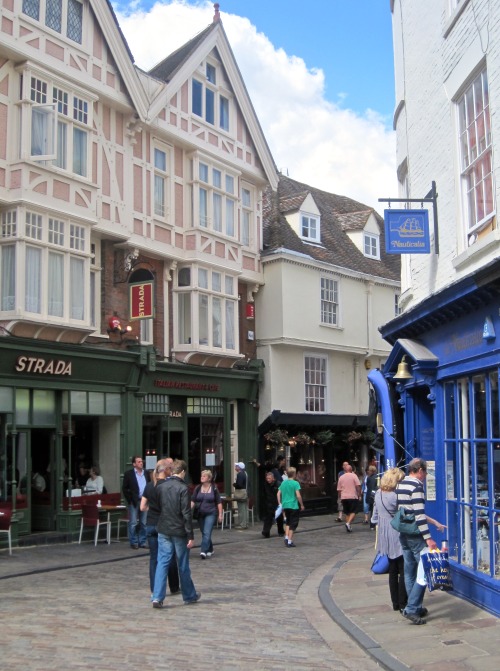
316, 141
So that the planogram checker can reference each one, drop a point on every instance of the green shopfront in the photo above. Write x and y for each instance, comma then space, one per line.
64, 405
61, 406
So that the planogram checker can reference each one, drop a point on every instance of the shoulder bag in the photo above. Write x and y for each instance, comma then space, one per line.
241, 494
404, 522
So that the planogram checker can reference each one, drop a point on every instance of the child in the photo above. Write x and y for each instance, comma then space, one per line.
290, 498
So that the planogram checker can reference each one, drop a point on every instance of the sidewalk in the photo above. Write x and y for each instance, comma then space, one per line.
336, 590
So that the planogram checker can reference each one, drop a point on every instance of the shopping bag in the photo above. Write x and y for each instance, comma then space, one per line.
380, 564
437, 570
278, 511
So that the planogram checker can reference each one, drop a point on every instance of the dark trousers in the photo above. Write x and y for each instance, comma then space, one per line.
173, 571
397, 583
269, 521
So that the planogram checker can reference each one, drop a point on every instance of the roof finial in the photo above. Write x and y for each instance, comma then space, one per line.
216, 18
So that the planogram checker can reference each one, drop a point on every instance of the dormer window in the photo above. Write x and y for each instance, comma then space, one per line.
309, 228
371, 246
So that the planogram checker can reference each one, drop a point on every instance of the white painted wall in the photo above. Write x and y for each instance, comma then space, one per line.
436, 55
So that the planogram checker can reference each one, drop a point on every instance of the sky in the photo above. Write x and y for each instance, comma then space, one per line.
319, 74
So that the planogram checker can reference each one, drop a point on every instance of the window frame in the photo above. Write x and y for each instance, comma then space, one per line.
163, 174
65, 29
319, 401
67, 240
69, 119
373, 241
306, 219
206, 313
210, 102
473, 157
324, 303
206, 193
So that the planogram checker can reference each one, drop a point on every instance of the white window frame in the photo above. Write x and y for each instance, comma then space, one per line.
329, 301
476, 162
206, 311
371, 245
217, 112
315, 382
310, 229
32, 281
215, 200
161, 176
66, 117
247, 221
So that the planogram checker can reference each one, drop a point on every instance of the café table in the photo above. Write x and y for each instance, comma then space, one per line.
227, 514
108, 509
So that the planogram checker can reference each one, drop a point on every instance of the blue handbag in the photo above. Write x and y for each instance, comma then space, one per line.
380, 564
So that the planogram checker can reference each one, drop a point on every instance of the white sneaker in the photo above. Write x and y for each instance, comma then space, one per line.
209, 554
203, 555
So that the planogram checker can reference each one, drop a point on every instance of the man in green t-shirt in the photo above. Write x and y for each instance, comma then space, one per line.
291, 500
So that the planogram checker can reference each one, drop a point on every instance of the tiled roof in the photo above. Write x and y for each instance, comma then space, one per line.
168, 66
338, 215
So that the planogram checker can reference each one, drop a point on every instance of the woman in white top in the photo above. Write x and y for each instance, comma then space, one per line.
95, 483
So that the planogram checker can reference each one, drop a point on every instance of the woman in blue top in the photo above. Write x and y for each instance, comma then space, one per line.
207, 496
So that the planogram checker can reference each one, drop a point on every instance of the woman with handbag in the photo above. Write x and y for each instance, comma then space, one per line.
206, 506
384, 508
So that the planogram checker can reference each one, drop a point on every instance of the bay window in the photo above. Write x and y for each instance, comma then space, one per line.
48, 259
206, 310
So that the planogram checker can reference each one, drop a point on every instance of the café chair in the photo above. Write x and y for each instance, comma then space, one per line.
122, 520
91, 518
5, 527
250, 507
226, 514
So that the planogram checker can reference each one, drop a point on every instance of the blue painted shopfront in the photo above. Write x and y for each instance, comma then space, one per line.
450, 411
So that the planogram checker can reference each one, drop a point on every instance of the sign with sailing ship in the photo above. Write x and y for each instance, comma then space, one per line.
407, 231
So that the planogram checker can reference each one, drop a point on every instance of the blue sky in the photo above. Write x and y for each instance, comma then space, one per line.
320, 75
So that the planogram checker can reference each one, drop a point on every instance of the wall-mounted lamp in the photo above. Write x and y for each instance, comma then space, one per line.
403, 372
115, 326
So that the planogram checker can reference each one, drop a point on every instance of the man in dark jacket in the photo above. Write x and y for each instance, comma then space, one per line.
175, 535
134, 482
270, 505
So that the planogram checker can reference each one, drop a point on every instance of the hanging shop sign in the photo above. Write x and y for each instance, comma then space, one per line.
141, 303
407, 231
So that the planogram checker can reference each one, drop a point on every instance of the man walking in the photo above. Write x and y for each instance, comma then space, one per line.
349, 489
411, 496
134, 482
175, 535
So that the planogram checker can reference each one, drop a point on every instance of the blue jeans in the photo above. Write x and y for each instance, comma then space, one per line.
173, 572
136, 518
412, 547
206, 523
168, 546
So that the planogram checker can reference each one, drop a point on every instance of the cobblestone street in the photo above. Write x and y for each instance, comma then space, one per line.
259, 608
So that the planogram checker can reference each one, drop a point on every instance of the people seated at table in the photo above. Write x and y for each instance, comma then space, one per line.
83, 475
95, 484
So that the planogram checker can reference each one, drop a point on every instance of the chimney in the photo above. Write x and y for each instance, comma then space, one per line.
216, 18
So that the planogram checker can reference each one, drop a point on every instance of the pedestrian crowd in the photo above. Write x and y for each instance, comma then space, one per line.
161, 511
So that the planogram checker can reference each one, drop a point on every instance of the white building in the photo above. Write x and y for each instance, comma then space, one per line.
447, 118
328, 286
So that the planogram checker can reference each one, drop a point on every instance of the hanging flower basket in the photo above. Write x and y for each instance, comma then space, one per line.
276, 437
